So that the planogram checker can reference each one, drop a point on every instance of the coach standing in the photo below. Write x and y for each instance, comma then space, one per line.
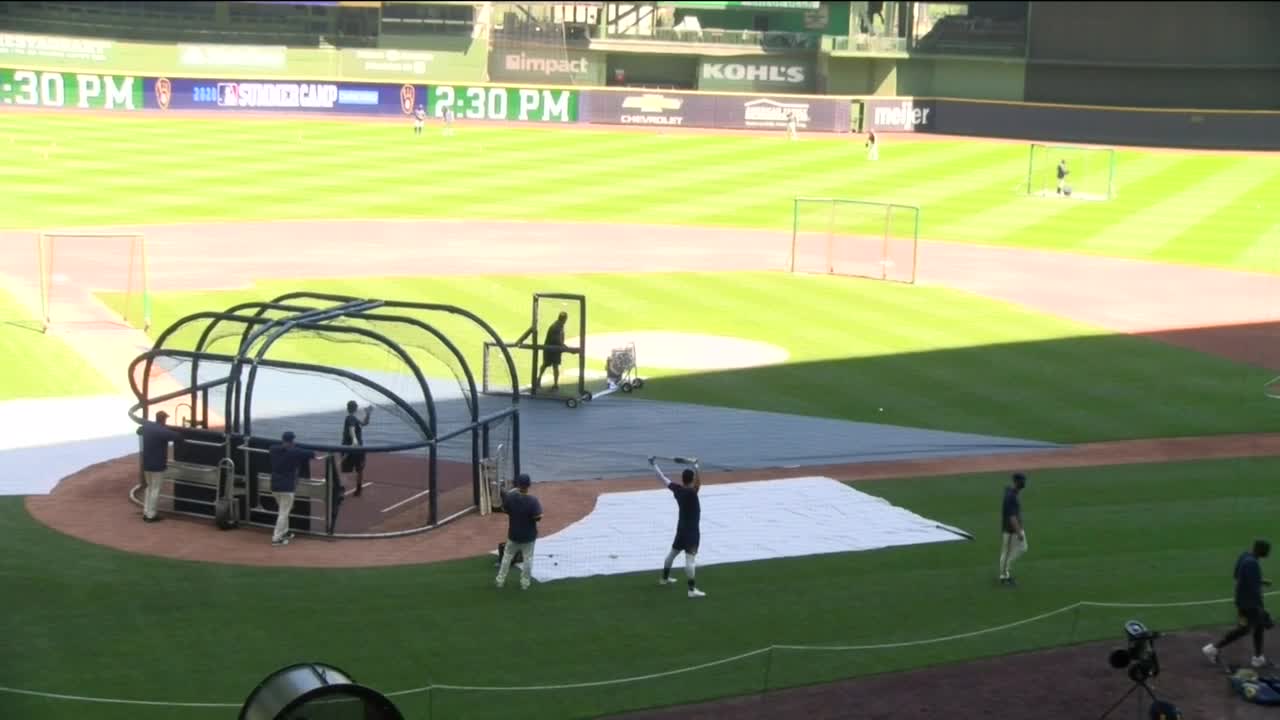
156, 437
1250, 611
1013, 535
287, 460
523, 514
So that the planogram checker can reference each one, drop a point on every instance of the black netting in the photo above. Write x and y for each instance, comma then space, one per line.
408, 372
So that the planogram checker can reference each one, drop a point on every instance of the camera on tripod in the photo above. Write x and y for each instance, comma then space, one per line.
1140, 656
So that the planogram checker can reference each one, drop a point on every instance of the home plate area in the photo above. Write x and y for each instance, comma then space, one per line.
631, 531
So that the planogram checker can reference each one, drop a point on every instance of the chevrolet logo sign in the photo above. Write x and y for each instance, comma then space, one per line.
652, 103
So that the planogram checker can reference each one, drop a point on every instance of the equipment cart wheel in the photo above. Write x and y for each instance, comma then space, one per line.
588, 397
626, 387
571, 403
639, 383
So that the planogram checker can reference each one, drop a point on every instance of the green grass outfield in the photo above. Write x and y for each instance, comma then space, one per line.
38, 365
110, 624
931, 357
112, 169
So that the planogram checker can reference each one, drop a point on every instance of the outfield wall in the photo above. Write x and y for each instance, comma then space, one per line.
52, 89
1189, 128
1212, 129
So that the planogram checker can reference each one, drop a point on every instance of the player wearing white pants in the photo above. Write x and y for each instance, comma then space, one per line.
792, 129
1013, 535
524, 512
284, 500
156, 437
287, 460
873, 145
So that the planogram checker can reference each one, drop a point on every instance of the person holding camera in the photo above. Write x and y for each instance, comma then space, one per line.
1252, 616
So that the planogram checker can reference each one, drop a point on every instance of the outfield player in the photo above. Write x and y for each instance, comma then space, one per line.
1063, 172
791, 126
1013, 535
448, 121
419, 119
688, 532
353, 435
524, 512
873, 145
1251, 613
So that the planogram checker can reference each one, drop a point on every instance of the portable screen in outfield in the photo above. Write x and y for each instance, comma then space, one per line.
1091, 171
861, 238
74, 266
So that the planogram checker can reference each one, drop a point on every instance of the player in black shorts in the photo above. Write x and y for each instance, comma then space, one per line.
1063, 172
353, 434
552, 349
688, 533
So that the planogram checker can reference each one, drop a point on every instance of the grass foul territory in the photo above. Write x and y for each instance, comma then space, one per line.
110, 625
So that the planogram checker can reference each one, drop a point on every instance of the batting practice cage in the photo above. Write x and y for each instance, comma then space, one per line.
859, 238
541, 358
1091, 172
74, 265
234, 381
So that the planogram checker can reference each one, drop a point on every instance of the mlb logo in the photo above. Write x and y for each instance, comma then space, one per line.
228, 94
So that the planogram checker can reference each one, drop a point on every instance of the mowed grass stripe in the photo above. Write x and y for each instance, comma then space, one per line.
939, 358
1005, 214
257, 168
40, 365
775, 200
1216, 186
1247, 211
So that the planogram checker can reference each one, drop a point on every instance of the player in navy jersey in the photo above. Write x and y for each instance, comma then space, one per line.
353, 434
1013, 535
419, 118
688, 532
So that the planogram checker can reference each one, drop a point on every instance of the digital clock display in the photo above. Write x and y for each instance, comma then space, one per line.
501, 103
30, 88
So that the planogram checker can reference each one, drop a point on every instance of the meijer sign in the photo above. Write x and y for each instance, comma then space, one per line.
899, 115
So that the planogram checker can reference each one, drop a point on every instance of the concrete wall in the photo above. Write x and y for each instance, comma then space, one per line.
977, 78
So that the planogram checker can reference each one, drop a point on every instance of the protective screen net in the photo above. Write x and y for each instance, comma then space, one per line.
548, 312
1089, 172
857, 238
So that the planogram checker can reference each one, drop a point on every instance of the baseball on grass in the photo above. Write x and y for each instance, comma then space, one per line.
881, 409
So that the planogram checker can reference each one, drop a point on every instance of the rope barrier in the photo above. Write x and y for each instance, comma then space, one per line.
665, 673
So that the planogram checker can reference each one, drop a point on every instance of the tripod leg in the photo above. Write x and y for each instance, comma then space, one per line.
1120, 702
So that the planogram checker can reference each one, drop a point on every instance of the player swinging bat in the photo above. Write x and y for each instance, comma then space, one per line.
688, 533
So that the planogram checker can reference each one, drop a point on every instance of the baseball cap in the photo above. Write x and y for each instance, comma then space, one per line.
162, 416
288, 436
1020, 478
523, 480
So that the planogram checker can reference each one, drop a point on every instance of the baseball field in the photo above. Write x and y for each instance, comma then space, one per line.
1149, 317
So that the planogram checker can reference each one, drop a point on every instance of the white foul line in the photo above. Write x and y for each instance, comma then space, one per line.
411, 498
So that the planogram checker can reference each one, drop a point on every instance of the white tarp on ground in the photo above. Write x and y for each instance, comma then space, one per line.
632, 531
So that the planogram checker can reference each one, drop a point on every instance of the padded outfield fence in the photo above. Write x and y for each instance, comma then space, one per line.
755, 677
860, 238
